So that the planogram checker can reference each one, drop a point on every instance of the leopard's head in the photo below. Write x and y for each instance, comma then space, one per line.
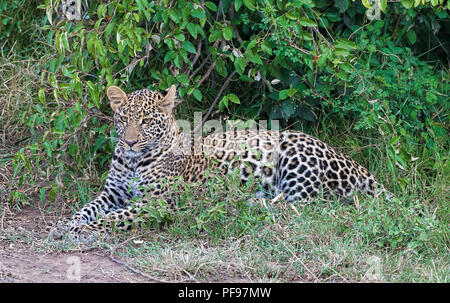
143, 119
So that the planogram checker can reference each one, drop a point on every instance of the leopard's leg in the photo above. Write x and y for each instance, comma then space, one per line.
122, 218
108, 201
112, 197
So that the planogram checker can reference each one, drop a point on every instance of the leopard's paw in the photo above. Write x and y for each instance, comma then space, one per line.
87, 233
58, 229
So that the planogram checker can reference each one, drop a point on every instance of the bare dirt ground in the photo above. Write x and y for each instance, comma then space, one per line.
25, 257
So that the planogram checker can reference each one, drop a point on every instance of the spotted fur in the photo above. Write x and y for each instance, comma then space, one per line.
152, 151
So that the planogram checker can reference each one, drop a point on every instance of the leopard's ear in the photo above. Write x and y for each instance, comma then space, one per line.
116, 97
170, 99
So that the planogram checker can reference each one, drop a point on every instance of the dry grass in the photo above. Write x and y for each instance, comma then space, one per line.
19, 87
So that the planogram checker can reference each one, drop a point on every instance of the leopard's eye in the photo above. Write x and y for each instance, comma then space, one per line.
146, 121
122, 119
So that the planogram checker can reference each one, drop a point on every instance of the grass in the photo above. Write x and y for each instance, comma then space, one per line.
217, 236
279, 242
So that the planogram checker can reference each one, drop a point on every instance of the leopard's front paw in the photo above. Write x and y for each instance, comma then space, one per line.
58, 229
65, 229
87, 233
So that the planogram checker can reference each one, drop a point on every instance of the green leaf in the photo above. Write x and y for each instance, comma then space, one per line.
233, 98
291, 92
170, 55
342, 75
411, 36
101, 11
407, 3
187, 45
366, 3
394, 140
383, 5
283, 94
288, 108
200, 29
239, 64
214, 36
371, 48
237, 5
346, 67
183, 79
52, 195
109, 28
253, 57
42, 195
345, 44
192, 29
211, 6
173, 15
223, 102
93, 93
228, 33
178, 61
306, 36
291, 16
250, 4
99, 142
197, 94
341, 52
342, 5
180, 37
198, 13
266, 47
221, 68
307, 22
41, 95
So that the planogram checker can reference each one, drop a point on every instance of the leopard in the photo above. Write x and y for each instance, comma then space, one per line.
152, 152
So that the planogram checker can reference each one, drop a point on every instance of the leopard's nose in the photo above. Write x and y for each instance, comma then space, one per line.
130, 143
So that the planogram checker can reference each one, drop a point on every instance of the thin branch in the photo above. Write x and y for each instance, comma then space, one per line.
236, 32
197, 54
299, 261
131, 65
127, 266
208, 72
213, 105
298, 48
216, 44
201, 66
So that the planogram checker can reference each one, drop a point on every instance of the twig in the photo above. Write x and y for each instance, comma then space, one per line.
213, 105
316, 94
127, 266
200, 67
208, 72
219, 8
216, 44
297, 48
132, 64
299, 261
197, 55
236, 32
324, 26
